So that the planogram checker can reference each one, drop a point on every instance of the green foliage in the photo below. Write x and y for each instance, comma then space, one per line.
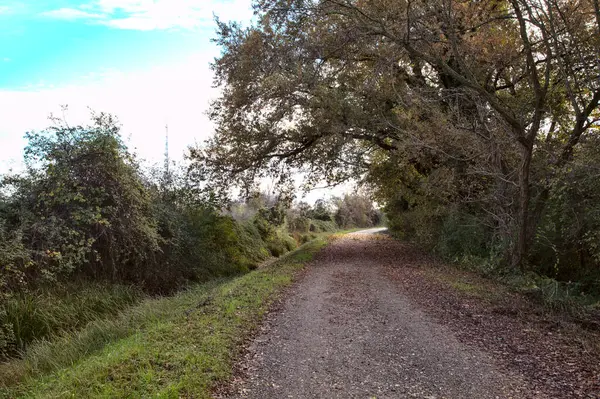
566, 244
305, 222
320, 211
356, 210
178, 346
322, 226
568, 298
84, 211
270, 223
15, 260
81, 207
463, 235
299, 224
8, 341
277, 240
419, 224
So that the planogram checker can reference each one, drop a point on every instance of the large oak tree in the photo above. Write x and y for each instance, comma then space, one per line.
334, 87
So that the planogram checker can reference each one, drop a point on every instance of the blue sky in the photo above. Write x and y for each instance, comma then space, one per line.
63, 42
147, 61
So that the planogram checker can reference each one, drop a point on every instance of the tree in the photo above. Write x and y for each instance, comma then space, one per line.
355, 210
320, 211
81, 206
334, 87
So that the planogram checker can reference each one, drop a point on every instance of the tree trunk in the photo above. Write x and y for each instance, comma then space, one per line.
522, 243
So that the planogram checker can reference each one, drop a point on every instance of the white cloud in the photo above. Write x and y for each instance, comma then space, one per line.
177, 94
131, 6
71, 14
156, 14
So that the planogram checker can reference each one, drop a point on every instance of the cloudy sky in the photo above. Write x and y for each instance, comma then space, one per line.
147, 61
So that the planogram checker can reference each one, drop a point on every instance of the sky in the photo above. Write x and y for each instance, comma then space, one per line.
146, 61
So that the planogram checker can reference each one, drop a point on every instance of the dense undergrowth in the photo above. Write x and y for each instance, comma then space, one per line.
465, 243
178, 346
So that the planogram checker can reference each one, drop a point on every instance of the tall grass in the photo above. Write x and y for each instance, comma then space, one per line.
42, 313
179, 346
59, 350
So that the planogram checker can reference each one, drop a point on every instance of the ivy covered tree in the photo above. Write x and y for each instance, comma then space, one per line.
81, 204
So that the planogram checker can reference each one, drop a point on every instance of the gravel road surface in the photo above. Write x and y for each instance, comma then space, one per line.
346, 331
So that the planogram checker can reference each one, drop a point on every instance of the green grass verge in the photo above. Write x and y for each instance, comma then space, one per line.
174, 347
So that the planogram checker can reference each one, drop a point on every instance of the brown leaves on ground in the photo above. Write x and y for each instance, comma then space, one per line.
558, 356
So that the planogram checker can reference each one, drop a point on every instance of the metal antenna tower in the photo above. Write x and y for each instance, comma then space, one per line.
167, 150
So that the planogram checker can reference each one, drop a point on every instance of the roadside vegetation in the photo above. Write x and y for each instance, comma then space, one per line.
476, 125
93, 247
179, 346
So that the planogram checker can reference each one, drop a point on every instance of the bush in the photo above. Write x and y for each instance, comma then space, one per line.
462, 235
199, 244
251, 245
280, 242
300, 224
81, 207
277, 239
320, 226
566, 245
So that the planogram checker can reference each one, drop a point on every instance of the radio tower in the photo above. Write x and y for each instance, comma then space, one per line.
167, 150
167, 173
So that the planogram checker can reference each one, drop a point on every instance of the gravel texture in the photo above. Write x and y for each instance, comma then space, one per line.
347, 330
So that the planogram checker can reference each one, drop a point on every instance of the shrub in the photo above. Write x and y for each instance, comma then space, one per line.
320, 226
461, 235
299, 224
276, 237
81, 206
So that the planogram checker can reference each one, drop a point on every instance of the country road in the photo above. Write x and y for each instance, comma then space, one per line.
347, 331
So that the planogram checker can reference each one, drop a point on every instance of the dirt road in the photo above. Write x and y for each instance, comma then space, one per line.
347, 331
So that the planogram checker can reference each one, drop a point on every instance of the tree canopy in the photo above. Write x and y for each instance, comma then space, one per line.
471, 106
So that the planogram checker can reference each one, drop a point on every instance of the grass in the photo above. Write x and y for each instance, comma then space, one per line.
565, 299
467, 283
40, 314
182, 346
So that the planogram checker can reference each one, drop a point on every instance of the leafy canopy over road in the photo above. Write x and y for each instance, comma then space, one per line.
476, 123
